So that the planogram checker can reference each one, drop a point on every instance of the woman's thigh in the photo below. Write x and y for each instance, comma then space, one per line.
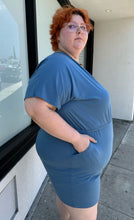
80, 213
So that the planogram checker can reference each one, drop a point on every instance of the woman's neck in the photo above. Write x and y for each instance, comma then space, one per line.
76, 57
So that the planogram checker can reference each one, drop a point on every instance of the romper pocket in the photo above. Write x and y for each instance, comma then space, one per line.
85, 151
89, 161
83, 160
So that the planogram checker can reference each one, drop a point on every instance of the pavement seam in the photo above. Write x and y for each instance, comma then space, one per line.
120, 142
119, 211
120, 167
123, 141
37, 199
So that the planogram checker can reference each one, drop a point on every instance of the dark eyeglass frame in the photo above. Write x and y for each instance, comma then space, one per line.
73, 27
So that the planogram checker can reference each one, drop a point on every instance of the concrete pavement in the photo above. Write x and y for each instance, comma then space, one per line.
117, 183
117, 194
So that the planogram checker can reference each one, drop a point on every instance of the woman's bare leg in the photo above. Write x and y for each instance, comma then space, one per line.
70, 213
64, 214
83, 214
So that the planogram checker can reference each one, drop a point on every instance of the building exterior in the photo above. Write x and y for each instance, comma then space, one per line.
25, 41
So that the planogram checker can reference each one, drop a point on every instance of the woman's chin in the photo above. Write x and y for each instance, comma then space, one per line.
79, 45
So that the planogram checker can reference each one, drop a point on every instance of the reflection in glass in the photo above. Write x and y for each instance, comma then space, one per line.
13, 118
10, 68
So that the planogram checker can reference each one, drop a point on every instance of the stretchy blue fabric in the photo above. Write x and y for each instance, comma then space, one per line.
85, 105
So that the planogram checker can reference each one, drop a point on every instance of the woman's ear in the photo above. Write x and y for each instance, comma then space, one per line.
58, 39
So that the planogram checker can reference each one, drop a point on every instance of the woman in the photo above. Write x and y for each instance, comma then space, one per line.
73, 111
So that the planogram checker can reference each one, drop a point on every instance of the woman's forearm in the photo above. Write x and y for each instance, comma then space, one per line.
55, 125
44, 115
51, 121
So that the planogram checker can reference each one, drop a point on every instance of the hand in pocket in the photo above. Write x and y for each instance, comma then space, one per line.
83, 142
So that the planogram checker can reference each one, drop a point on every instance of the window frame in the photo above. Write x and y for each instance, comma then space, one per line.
64, 2
13, 150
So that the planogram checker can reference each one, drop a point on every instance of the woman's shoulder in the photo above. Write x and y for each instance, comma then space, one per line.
57, 59
53, 67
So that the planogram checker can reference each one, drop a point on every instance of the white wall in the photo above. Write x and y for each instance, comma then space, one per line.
27, 175
114, 63
45, 12
82, 58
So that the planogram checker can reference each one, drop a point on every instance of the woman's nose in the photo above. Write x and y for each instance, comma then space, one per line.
78, 30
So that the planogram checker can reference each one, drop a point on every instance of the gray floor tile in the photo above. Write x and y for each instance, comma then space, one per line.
124, 157
46, 208
120, 128
117, 190
105, 213
129, 137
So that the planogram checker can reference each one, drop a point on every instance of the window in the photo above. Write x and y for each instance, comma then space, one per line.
18, 59
14, 72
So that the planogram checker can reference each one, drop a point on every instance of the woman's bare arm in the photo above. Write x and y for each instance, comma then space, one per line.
43, 114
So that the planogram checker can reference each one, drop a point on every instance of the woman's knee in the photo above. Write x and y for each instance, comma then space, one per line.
70, 213
80, 214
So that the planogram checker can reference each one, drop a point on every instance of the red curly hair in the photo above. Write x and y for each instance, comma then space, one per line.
64, 15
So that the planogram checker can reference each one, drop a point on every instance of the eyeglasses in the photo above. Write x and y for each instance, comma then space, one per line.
72, 27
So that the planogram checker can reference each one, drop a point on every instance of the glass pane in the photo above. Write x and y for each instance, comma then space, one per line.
13, 69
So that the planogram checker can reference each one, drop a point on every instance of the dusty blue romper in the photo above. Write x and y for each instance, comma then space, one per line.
85, 105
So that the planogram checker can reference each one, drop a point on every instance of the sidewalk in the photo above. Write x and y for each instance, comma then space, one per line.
117, 183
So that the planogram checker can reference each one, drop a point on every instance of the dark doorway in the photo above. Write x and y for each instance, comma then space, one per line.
89, 51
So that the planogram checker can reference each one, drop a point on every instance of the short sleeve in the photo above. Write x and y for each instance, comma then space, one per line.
51, 82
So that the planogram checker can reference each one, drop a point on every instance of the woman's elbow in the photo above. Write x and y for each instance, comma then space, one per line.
29, 107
